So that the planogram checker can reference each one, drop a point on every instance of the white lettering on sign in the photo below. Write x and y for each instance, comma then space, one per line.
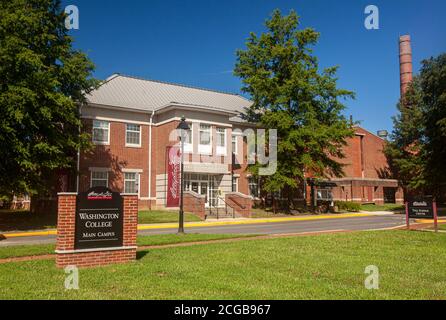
174, 160
100, 196
98, 216
95, 224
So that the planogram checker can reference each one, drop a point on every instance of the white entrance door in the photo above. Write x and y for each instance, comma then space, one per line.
203, 184
199, 186
204, 191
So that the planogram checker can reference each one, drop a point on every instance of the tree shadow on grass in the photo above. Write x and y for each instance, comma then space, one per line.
141, 254
21, 220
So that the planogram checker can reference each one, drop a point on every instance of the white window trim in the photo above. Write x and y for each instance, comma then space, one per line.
189, 147
204, 148
133, 145
221, 150
138, 180
236, 182
129, 170
102, 143
328, 191
98, 170
255, 196
236, 143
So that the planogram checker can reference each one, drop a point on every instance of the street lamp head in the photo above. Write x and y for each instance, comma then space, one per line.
183, 124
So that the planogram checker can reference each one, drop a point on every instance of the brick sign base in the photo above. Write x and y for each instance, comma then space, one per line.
67, 255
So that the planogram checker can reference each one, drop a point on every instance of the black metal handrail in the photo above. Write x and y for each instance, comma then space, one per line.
226, 207
216, 208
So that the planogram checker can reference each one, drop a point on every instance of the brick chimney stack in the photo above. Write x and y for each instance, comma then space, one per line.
406, 75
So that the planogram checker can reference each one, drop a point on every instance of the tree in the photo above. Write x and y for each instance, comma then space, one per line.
289, 94
405, 151
417, 149
42, 82
433, 86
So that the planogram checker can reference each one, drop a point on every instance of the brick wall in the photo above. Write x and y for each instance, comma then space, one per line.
241, 203
364, 159
194, 203
116, 156
66, 255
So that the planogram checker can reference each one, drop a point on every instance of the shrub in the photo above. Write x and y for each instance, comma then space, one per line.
348, 206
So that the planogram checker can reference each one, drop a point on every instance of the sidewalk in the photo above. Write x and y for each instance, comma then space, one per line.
208, 223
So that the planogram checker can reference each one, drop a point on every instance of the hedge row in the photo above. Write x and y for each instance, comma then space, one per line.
348, 206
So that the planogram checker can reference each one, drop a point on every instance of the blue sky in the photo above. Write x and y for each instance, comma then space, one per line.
194, 42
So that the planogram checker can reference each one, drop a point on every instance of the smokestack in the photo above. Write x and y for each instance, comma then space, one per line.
405, 64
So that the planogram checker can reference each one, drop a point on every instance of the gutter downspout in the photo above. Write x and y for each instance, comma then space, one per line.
150, 158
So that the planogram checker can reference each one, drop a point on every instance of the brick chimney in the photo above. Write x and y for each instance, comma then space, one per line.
406, 75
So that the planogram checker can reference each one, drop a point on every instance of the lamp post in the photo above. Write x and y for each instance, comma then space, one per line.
182, 126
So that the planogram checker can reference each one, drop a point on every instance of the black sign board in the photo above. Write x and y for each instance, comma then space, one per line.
99, 219
421, 207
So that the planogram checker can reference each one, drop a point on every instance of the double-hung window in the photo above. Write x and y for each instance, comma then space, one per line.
234, 144
234, 184
205, 139
253, 186
101, 132
221, 141
324, 194
131, 182
133, 135
99, 179
188, 148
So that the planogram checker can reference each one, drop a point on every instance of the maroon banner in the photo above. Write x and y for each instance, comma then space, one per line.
173, 176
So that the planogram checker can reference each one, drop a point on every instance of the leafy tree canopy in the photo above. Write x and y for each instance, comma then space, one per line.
290, 94
42, 80
417, 150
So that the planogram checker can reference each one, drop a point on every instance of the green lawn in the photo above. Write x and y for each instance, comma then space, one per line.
22, 251
41, 249
331, 266
441, 226
188, 237
268, 213
160, 216
384, 207
262, 213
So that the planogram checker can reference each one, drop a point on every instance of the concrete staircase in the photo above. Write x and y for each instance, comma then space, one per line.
220, 213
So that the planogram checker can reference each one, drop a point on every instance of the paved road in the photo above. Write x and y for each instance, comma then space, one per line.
356, 223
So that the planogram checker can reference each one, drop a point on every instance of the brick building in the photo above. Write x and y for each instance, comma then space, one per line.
132, 122
366, 172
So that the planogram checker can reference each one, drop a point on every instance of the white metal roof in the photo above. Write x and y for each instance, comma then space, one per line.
135, 93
